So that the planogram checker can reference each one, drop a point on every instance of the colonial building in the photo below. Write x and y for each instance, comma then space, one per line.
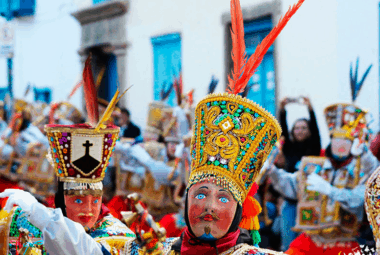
148, 43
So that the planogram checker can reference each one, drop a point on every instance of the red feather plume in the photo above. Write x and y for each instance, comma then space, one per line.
238, 82
53, 108
90, 94
238, 44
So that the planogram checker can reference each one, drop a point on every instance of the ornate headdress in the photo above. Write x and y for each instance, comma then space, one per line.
345, 120
156, 111
81, 153
372, 205
233, 135
348, 120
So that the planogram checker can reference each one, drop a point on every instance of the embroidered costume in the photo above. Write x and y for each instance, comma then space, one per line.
372, 205
80, 155
329, 189
231, 140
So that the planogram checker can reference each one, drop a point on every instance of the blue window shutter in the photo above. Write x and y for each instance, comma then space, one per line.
263, 90
21, 8
167, 63
99, 1
42, 95
270, 84
3, 92
3, 8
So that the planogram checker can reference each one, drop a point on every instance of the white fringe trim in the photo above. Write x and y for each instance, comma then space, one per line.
82, 186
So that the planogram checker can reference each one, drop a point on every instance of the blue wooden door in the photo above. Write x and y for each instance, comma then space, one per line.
167, 63
263, 90
111, 76
109, 82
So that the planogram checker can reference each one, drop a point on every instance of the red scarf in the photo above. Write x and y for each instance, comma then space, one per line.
103, 212
337, 165
223, 244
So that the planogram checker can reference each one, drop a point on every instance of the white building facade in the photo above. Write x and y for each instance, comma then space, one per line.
311, 57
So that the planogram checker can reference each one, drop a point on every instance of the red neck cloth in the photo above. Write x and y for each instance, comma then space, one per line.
103, 212
191, 246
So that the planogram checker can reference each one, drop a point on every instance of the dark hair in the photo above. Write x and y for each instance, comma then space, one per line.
59, 199
125, 111
294, 125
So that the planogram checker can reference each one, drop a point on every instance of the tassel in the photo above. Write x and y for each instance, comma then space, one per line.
251, 209
255, 237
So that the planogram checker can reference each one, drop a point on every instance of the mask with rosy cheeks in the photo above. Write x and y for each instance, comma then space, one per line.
211, 210
83, 209
340, 147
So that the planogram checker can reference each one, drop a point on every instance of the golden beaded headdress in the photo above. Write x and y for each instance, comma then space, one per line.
80, 153
157, 111
372, 205
233, 135
348, 120
345, 120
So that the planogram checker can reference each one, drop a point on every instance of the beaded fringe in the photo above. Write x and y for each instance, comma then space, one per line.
82, 186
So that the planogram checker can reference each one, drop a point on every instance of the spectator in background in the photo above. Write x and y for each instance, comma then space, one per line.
303, 140
127, 128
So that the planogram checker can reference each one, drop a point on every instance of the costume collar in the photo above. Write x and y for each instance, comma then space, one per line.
188, 243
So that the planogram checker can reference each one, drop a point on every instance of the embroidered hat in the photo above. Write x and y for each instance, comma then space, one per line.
345, 120
80, 153
233, 135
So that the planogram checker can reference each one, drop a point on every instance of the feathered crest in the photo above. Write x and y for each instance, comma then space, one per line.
190, 97
27, 90
355, 85
108, 112
212, 86
178, 86
80, 83
165, 93
74, 90
52, 111
90, 94
246, 90
243, 68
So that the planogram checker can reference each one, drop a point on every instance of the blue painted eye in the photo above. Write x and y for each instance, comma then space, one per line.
200, 196
96, 201
78, 201
224, 200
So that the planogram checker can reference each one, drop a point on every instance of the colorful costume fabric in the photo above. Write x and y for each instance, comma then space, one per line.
333, 219
107, 226
231, 140
79, 155
372, 205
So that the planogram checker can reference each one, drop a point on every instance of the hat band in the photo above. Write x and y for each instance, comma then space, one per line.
82, 186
